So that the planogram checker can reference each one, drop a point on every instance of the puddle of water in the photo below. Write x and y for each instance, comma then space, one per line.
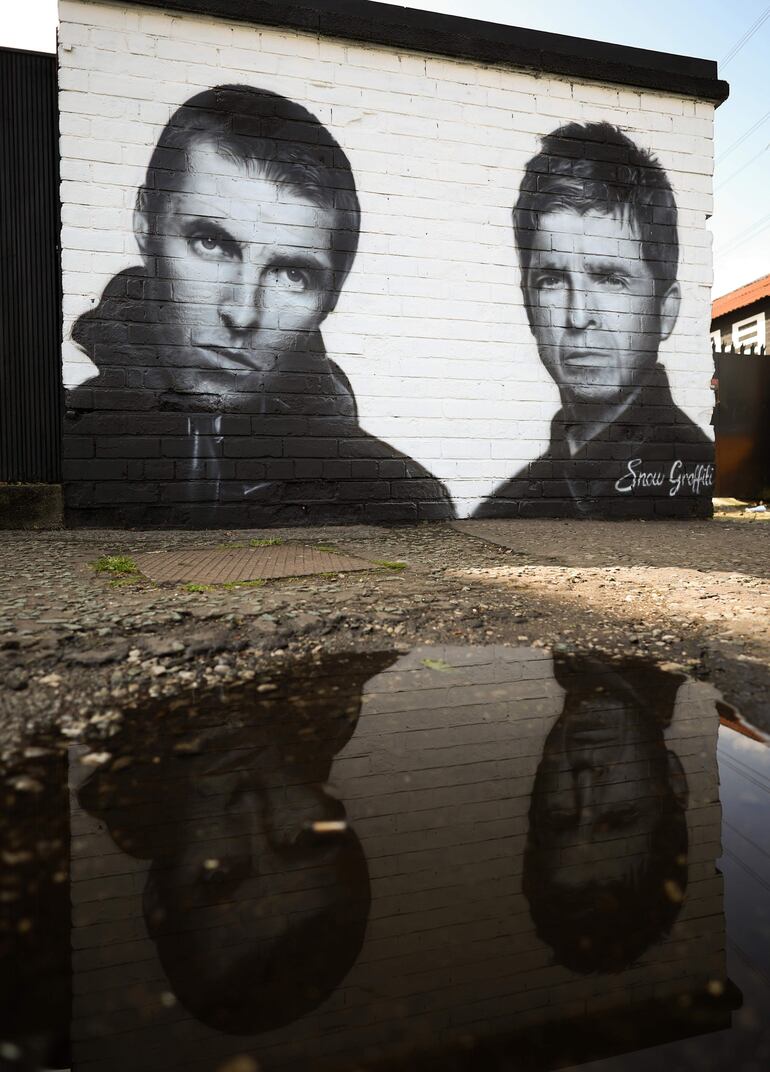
35, 922
458, 858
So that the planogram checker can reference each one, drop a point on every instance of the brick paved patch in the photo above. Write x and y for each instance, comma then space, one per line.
222, 565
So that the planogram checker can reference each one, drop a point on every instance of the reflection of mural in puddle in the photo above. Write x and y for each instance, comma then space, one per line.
605, 869
444, 854
222, 885
257, 895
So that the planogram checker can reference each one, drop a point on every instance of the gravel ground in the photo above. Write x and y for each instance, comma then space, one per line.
79, 648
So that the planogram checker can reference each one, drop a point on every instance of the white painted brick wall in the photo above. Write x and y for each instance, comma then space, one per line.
430, 328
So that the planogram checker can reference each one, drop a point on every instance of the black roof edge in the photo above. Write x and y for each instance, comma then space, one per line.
463, 38
29, 51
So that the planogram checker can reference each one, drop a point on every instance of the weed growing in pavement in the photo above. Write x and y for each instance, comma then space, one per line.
266, 541
125, 580
327, 547
390, 565
436, 664
230, 585
114, 564
193, 587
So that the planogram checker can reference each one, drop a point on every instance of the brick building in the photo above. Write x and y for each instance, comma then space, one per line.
291, 288
739, 320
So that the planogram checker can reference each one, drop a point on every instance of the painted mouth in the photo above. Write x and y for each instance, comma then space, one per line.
592, 738
593, 732
234, 353
243, 356
585, 358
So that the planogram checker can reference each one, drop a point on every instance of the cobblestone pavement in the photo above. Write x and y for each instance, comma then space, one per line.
79, 647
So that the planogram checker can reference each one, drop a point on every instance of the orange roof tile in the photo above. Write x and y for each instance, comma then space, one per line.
740, 298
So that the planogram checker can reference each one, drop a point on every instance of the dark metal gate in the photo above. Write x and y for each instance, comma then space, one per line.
742, 425
30, 284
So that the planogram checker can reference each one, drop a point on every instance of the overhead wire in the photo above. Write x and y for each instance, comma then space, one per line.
749, 233
747, 36
742, 168
744, 236
742, 139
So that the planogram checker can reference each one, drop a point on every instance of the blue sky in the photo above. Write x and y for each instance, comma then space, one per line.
705, 28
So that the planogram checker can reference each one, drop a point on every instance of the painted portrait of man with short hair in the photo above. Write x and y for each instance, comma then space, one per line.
215, 403
596, 232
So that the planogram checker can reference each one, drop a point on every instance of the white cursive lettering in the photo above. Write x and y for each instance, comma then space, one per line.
695, 480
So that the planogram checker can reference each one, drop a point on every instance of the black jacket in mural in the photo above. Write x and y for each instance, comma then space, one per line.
146, 444
651, 461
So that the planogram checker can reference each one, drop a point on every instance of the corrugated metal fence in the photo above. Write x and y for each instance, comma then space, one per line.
742, 425
30, 287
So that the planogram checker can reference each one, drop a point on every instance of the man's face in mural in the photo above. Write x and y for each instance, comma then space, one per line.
595, 315
601, 786
250, 262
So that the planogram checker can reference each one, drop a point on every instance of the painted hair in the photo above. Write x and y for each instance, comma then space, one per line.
596, 168
287, 142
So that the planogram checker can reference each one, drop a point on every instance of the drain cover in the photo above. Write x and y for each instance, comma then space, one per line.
245, 564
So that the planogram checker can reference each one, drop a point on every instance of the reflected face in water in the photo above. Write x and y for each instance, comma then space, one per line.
256, 916
605, 866
250, 260
603, 777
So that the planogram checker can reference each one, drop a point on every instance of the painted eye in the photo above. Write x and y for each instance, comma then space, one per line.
293, 279
558, 820
620, 818
616, 282
210, 247
548, 282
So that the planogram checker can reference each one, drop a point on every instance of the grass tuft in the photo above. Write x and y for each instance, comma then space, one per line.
114, 564
436, 664
266, 541
390, 565
194, 587
122, 581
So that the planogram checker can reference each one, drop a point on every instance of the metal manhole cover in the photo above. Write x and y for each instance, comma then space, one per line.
219, 566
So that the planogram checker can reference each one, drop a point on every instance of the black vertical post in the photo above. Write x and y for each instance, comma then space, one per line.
30, 270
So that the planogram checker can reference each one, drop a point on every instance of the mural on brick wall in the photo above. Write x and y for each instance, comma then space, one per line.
595, 226
322, 312
215, 402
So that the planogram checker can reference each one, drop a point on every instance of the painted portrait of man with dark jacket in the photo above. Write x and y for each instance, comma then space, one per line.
595, 225
215, 403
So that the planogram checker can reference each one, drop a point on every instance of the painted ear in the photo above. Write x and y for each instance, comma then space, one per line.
142, 231
669, 310
677, 779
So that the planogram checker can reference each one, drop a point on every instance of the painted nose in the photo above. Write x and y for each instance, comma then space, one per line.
294, 809
579, 316
246, 310
583, 789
